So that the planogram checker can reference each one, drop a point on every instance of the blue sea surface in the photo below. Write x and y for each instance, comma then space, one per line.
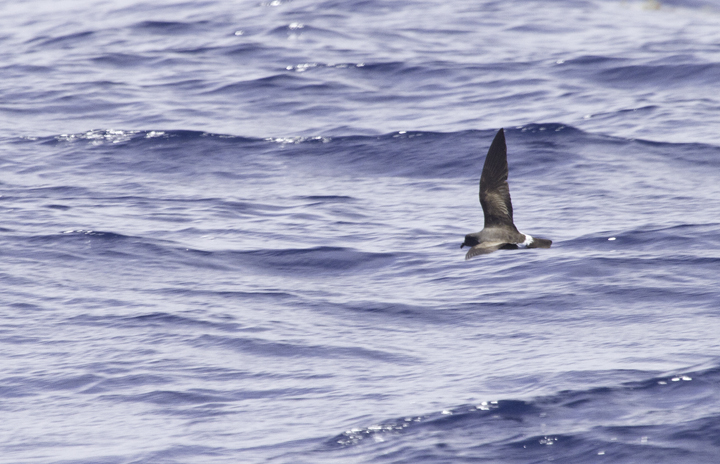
231, 232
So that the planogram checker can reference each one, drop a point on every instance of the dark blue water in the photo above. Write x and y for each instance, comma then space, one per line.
231, 232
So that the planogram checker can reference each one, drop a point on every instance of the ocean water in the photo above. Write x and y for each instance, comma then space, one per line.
231, 232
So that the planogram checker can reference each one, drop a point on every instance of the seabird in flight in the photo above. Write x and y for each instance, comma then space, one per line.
499, 231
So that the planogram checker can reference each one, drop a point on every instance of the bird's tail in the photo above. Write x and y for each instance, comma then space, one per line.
540, 243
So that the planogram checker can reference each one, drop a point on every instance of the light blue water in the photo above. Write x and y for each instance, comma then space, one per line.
231, 232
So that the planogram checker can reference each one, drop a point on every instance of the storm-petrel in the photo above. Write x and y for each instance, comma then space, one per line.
499, 231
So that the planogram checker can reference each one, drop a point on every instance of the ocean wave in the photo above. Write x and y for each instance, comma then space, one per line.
571, 425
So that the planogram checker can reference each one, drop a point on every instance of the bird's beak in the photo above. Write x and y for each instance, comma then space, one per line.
462, 245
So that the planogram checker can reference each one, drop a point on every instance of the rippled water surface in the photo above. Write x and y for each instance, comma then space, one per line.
231, 232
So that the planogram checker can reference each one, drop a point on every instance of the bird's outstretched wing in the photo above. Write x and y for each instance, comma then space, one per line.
488, 247
494, 189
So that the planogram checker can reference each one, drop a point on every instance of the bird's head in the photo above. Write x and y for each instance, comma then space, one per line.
470, 240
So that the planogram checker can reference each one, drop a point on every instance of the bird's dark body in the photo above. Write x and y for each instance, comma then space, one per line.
499, 232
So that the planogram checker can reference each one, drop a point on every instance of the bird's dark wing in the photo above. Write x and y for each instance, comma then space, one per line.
487, 247
494, 189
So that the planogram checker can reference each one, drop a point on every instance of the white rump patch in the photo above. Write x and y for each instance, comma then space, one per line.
528, 240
